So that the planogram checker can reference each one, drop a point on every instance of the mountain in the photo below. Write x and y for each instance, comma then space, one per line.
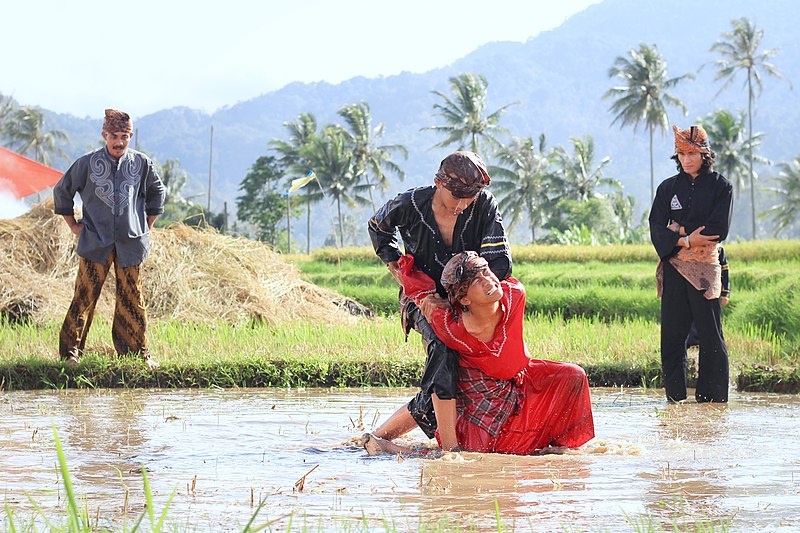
557, 77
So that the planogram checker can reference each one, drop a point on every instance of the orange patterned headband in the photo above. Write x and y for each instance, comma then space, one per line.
694, 139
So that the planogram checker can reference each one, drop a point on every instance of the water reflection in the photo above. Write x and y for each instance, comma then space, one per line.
470, 485
224, 451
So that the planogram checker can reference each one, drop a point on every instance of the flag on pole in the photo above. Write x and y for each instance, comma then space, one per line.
301, 182
21, 177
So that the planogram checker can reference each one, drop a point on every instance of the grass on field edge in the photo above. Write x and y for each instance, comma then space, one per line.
95, 371
372, 353
745, 251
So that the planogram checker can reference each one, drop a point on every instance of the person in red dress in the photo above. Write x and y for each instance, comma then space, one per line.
507, 402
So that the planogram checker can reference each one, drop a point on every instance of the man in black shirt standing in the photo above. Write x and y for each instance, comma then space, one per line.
436, 222
691, 214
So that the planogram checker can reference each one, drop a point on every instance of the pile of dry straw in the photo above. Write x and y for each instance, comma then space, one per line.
191, 276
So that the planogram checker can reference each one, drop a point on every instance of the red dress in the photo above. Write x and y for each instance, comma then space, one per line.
508, 402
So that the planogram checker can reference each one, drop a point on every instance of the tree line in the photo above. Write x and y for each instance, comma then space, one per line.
561, 193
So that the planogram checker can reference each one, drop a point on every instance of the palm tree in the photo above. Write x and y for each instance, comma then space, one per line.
332, 158
465, 123
370, 158
6, 106
726, 132
577, 177
24, 129
174, 179
624, 207
643, 99
522, 181
787, 210
302, 132
738, 50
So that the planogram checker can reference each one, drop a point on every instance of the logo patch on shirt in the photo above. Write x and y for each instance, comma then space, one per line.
675, 203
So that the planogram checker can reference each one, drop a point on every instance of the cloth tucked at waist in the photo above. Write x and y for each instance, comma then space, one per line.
699, 265
487, 402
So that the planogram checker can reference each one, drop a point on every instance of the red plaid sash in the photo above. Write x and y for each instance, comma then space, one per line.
487, 402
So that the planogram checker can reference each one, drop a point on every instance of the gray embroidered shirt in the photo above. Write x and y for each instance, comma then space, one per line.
117, 197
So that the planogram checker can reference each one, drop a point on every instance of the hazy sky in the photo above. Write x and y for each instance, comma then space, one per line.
147, 55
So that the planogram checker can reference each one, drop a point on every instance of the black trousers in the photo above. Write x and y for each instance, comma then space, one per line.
681, 304
439, 375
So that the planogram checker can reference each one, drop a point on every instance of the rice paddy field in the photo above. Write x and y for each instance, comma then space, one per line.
228, 312
597, 306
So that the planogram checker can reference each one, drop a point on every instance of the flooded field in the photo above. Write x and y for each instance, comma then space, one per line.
223, 451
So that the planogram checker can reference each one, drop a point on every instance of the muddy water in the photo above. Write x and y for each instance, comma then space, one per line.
223, 451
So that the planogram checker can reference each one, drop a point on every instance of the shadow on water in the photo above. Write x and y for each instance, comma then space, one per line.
227, 450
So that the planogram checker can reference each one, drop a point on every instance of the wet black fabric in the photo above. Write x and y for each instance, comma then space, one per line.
439, 375
421, 409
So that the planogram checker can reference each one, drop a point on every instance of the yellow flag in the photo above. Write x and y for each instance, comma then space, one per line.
301, 182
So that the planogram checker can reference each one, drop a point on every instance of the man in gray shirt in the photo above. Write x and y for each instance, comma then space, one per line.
122, 196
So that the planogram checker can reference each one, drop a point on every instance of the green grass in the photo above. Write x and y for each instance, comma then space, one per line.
742, 252
373, 353
744, 276
764, 292
217, 355
589, 310
614, 287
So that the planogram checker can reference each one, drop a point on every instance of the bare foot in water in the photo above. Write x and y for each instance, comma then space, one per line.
376, 445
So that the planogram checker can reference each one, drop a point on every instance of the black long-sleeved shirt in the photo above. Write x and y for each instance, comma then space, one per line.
479, 228
706, 201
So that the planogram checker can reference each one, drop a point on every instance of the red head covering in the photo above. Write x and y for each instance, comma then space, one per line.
695, 139
464, 174
117, 121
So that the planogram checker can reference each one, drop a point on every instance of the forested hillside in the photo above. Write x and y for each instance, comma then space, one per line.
557, 79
